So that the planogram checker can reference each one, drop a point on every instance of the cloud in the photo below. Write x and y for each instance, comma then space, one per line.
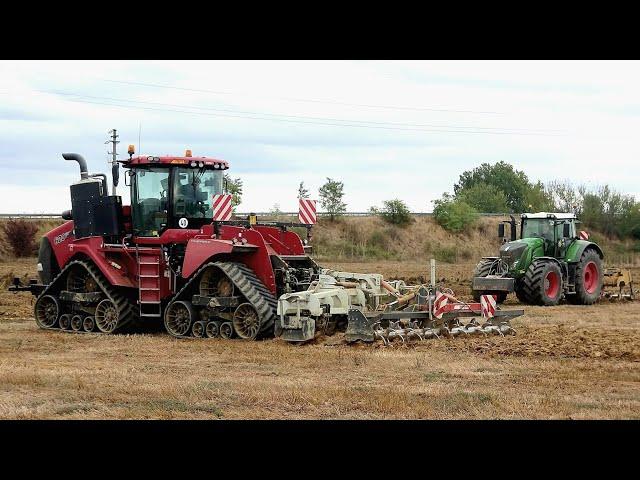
420, 123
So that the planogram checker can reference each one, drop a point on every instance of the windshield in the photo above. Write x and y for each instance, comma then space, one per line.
150, 201
193, 190
542, 228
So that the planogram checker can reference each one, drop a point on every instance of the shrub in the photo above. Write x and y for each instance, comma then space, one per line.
454, 215
20, 235
395, 212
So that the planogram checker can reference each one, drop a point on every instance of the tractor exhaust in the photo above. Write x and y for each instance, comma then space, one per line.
84, 172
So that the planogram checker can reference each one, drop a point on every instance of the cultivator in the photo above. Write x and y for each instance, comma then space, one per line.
618, 284
373, 309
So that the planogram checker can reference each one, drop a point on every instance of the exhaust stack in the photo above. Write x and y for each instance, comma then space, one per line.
84, 173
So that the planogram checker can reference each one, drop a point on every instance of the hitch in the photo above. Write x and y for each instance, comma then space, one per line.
34, 287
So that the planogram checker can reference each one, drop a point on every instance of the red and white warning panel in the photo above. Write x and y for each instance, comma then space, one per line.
222, 208
584, 235
488, 305
307, 211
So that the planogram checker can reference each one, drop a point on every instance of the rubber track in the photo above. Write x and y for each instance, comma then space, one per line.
250, 287
126, 311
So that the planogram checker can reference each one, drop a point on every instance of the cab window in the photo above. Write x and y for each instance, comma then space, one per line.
150, 201
193, 190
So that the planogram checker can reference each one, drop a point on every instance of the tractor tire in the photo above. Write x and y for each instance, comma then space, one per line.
542, 283
483, 268
521, 293
589, 275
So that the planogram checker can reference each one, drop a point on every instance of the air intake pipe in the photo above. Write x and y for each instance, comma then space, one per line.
84, 173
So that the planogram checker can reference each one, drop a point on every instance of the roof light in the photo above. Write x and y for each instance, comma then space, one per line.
131, 150
187, 153
194, 164
201, 164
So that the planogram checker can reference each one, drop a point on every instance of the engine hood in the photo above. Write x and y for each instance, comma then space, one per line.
511, 252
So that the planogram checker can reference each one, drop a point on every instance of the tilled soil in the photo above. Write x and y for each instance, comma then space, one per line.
567, 361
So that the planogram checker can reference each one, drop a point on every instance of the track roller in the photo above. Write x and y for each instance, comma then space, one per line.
197, 330
212, 329
65, 321
88, 324
76, 323
178, 318
47, 311
226, 330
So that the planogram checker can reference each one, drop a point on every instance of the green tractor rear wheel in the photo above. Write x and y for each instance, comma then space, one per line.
589, 274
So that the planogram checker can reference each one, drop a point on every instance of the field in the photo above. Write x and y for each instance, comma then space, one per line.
565, 362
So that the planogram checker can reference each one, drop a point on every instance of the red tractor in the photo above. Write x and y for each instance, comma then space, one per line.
163, 259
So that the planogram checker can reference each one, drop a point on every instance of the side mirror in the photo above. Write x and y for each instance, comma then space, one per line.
501, 230
566, 230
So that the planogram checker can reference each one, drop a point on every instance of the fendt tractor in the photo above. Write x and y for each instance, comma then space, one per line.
550, 261
175, 258
111, 266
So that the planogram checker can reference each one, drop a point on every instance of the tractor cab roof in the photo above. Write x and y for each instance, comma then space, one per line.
556, 216
168, 160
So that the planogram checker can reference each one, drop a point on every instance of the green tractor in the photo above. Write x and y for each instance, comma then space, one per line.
549, 261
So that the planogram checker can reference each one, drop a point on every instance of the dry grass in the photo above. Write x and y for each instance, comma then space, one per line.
565, 362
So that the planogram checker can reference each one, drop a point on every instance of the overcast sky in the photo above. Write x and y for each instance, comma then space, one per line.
387, 129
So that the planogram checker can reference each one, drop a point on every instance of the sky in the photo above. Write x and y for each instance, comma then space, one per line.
386, 129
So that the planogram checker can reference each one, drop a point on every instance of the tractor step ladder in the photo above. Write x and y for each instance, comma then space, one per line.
149, 281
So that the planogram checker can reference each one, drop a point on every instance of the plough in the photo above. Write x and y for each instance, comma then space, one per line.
374, 309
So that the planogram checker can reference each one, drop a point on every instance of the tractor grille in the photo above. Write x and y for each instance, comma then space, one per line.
510, 252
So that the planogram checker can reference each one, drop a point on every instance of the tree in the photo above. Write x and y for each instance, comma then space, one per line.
484, 198
275, 210
331, 194
302, 192
234, 187
395, 212
514, 184
454, 214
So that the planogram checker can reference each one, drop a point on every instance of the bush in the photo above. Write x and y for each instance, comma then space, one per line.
454, 215
395, 212
20, 235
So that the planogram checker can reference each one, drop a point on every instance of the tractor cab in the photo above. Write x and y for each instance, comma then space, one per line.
172, 192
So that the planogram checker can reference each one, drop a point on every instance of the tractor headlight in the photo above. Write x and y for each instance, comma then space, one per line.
193, 164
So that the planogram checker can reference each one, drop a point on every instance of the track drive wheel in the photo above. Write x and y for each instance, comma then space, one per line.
178, 318
246, 321
47, 310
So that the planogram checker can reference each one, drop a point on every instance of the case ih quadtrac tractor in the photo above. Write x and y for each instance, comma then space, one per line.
549, 261
163, 259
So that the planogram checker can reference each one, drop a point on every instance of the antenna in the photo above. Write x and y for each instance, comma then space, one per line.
139, 134
114, 160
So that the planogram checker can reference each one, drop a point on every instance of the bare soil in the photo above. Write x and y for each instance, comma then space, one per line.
565, 362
